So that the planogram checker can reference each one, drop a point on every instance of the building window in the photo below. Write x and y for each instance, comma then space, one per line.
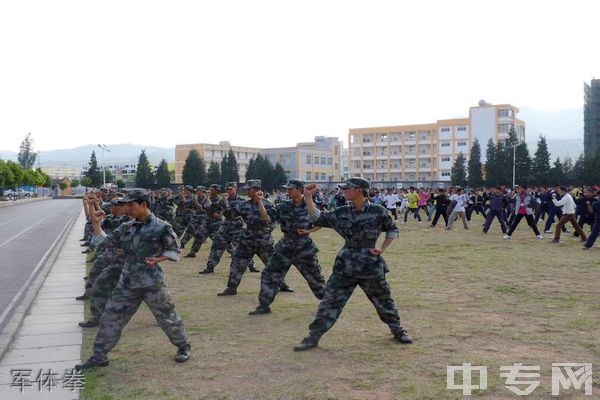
445, 173
308, 159
503, 128
324, 161
366, 153
309, 176
411, 135
335, 166
461, 144
446, 144
316, 160
445, 159
329, 161
445, 129
504, 113
461, 129
323, 176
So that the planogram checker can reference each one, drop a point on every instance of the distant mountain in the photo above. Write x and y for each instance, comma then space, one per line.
80, 156
8, 155
563, 131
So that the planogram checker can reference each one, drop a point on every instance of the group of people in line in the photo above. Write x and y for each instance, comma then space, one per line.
132, 234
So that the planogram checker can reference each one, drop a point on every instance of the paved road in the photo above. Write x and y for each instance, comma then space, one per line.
27, 231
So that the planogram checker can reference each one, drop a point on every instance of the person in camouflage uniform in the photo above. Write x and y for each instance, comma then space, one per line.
296, 247
184, 210
190, 206
359, 263
102, 255
146, 242
230, 232
164, 206
104, 283
256, 237
200, 204
207, 227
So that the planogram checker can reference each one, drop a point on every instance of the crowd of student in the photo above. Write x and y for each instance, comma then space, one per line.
556, 206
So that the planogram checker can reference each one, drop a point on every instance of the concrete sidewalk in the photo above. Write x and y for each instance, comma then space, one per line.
50, 338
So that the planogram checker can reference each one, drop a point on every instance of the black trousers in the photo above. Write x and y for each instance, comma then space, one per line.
530, 222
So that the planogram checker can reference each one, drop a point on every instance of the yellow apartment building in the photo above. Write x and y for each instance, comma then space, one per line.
425, 153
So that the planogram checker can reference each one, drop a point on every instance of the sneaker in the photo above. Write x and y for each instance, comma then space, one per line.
93, 362
585, 248
183, 354
228, 292
548, 232
420, 222
190, 255
206, 271
403, 337
555, 241
506, 237
89, 324
253, 269
309, 342
82, 297
583, 240
261, 310
539, 237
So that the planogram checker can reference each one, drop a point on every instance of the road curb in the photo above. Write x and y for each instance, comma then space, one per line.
10, 203
19, 313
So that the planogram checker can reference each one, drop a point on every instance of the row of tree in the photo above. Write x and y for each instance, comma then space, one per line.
13, 175
498, 169
195, 172
144, 177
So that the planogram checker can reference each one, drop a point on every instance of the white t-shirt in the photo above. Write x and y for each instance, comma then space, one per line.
460, 200
391, 200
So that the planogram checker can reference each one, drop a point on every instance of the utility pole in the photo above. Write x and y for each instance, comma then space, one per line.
104, 149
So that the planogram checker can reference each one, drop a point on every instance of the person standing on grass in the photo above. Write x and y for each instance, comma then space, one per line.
441, 202
593, 207
459, 199
524, 202
359, 262
422, 203
568, 211
146, 241
413, 199
391, 203
496, 209
296, 247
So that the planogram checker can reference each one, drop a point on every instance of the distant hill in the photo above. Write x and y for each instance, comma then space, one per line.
80, 156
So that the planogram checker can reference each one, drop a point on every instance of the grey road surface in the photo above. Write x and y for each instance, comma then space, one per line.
27, 231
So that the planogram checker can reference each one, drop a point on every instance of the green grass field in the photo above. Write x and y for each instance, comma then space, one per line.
463, 296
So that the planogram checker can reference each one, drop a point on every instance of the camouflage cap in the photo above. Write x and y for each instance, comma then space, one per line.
214, 186
253, 183
294, 184
231, 185
355, 183
116, 201
135, 195
200, 189
188, 187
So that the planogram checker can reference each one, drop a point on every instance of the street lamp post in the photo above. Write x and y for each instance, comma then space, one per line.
514, 147
104, 149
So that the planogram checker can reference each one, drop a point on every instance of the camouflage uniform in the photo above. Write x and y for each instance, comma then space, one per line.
164, 208
229, 234
207, 227
256, 239
356, 266
139, 282
293, 248
105, 253
198, 218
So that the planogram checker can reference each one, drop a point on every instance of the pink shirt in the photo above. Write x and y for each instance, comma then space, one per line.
423, 197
